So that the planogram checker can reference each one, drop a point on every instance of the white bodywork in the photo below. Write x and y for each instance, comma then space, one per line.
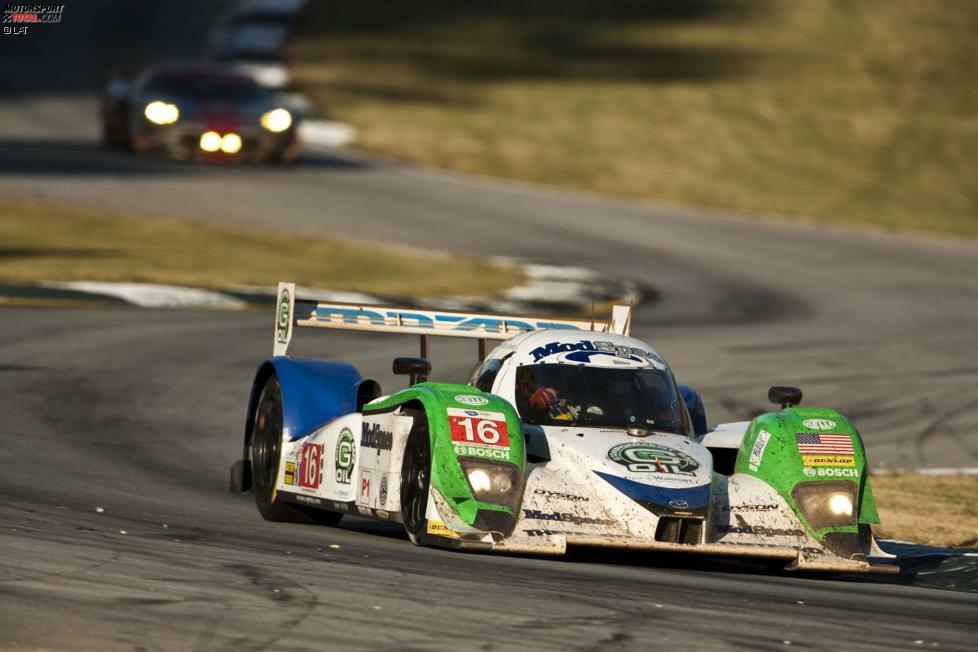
351, 462
583, 485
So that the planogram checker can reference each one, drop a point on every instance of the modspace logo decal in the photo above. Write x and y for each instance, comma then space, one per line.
597, 352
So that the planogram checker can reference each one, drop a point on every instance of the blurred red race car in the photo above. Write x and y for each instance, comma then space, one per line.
199, 112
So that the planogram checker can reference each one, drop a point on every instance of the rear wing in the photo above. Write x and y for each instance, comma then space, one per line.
292, 311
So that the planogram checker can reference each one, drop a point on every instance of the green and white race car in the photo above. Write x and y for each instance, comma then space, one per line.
569, 433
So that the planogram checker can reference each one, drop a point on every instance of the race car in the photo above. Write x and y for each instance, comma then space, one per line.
569, 433
198, 111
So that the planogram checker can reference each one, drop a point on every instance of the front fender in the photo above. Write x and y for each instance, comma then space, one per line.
809, 455
446, 407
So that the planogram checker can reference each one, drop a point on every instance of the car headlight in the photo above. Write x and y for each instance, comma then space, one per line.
491, 481
210, 141
231, 143
161, 113
277, 120
827, 503
840, 505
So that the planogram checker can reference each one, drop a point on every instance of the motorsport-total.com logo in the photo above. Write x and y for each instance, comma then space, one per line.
18, 17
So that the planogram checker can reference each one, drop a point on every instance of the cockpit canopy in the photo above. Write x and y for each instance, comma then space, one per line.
599, 397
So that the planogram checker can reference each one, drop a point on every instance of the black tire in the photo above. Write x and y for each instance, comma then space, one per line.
416, 479
266, 454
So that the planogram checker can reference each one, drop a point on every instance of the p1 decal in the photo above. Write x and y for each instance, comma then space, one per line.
346, 456
653, 458
365, 486
478, 428
310, 465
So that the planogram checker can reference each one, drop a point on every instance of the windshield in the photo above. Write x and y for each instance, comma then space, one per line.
206, 87
597, 397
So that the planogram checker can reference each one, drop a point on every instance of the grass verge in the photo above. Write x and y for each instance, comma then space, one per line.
53, 242
831, 111
937, 510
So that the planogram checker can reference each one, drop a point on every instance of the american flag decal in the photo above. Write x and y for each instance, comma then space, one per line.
823, 444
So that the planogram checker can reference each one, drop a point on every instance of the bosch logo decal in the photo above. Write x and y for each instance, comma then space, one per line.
823, 472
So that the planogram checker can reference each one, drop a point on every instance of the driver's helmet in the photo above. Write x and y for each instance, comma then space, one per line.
546, 400
542, 398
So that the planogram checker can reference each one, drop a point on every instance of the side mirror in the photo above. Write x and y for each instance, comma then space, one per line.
784, 396
417, 368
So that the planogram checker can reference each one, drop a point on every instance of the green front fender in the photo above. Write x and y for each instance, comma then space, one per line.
778, 450
441, 403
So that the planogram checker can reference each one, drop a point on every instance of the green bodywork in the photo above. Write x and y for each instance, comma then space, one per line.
782, 466
447, 476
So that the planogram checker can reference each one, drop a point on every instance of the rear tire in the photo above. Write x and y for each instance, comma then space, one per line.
416, 479
266, 455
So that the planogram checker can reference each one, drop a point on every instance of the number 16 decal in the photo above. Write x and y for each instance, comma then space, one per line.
310, 463
478, 428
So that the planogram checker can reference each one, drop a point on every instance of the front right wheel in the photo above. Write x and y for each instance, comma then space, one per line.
416, 479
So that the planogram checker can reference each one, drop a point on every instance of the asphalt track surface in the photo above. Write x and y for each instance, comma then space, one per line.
138, 413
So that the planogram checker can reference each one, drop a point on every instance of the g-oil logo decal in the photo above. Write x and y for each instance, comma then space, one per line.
471, 399
282, 326
346, 456
653, 458
818, 424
